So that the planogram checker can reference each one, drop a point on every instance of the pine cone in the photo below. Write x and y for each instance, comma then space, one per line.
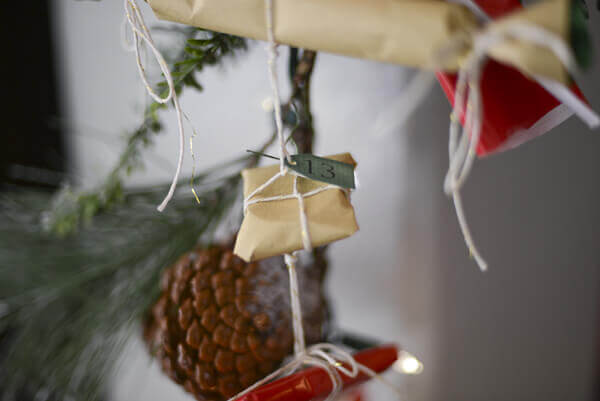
221, 324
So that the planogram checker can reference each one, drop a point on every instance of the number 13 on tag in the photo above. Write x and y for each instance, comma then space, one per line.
322, 169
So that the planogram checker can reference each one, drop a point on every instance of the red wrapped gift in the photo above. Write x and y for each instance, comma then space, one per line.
515, 107
314, 383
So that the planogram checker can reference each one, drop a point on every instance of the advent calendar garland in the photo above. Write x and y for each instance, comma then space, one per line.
540, 29
218, 324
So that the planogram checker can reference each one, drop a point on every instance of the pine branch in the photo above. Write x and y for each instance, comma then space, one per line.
68, 305
202, 49
304, 131
82, 297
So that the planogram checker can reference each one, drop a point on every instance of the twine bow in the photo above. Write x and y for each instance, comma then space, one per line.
464, 140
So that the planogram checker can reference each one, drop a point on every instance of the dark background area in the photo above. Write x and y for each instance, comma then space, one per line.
32, 148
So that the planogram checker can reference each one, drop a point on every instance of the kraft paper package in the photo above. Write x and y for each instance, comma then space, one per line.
274, 228
407, 32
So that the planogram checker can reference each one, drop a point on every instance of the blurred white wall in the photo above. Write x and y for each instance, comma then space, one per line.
527, 329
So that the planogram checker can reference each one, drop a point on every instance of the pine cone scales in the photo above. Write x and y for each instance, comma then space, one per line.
221, 324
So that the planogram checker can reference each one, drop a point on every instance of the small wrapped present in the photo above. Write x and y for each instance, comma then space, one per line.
272, 222
314, 383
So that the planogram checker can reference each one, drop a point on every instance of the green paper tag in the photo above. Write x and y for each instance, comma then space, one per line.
322, 169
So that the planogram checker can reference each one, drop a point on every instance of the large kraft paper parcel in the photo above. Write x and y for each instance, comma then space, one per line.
407, 32
273, 228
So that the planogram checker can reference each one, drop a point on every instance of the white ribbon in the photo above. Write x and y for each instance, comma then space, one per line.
141, 33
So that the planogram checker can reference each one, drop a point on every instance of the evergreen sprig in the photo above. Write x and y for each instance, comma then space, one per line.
68, 305
201, 49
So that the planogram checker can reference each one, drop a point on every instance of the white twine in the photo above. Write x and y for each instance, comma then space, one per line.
296, 194
303, 219
290, 196
329, 357
271, 63
141, 33
299, 344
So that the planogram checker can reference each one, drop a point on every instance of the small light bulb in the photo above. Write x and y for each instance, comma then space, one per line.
408, 364
267, 104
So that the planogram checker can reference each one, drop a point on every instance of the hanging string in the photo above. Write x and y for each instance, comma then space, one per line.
329, 357
303, 219
271, 63
141, 34
299, 343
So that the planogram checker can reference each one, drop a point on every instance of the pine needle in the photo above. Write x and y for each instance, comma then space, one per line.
69, 304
